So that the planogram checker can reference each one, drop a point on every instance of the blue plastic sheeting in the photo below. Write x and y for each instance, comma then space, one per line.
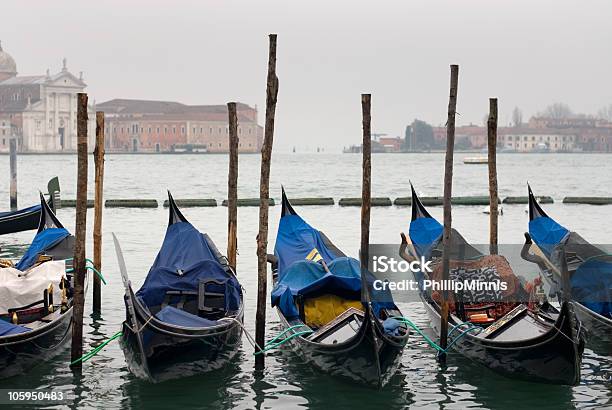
33, 208
547, 233
307, 278
295, 240
42, 242
177, 317
184, 260
7, 328
592, 286
424, 234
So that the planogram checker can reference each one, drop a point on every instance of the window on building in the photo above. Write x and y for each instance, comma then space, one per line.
149, 130
239, 130
210, 130
200, 130
165, 130
194, 130
250, 130
182, 130
219, 130
158, 130
174, 130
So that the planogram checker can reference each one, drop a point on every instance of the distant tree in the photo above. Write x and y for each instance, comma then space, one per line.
421, 134
463, 143
517, 117
605, 113
557, 111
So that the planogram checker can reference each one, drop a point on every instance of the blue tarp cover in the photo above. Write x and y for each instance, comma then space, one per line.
295, 240
592, 281
178, 317
298, 276
43, 241
305, 277
547, 233
7, 328
424, 234
185, 250
592, 285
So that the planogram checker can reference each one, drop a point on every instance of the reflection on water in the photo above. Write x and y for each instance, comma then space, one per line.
286, 382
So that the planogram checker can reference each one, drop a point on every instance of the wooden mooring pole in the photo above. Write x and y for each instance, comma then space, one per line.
13, 166
80, 232
366, 188
98, 204
232, 187
264, 194
493, 196
448, 189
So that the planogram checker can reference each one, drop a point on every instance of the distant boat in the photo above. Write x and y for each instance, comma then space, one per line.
487, 210
476, 160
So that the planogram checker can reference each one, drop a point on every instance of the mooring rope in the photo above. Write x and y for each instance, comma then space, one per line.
95, 351
471, 327
92, 267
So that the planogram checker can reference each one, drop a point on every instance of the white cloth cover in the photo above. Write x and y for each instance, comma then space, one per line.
18, 291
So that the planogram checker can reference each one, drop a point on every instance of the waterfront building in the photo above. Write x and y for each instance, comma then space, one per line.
40, 110
168, 126
537, 140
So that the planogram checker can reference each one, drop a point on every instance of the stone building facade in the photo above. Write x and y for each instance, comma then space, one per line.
40, 110
167, 126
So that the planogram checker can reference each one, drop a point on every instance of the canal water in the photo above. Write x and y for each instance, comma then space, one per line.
286, 381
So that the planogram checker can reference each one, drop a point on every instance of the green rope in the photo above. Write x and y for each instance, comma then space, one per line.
433, 344
270, 345
90, 268
285, 331
95, 351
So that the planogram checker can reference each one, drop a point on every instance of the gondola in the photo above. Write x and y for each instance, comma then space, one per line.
27, 218
187, 317
589, 270
511, 332
36, 298
330, 319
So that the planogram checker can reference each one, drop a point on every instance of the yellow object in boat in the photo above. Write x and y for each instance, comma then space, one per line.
321, 310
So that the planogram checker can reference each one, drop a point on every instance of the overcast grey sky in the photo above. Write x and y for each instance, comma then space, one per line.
528, 53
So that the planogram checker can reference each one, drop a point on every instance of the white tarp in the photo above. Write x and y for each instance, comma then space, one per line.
19, 288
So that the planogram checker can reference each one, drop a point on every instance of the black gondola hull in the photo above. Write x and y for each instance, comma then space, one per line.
167, 355
20, 222
598, 329
22, 352
554, 357
370, 357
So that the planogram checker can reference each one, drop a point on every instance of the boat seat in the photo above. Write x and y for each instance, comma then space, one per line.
209, 300
321, 310
211, 297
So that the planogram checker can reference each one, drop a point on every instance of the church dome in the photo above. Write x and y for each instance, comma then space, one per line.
7, 64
